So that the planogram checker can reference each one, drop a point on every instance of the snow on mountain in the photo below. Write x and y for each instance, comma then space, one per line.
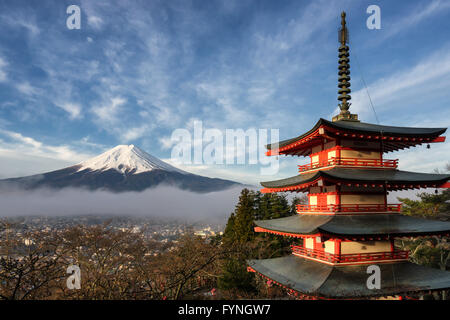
126, 159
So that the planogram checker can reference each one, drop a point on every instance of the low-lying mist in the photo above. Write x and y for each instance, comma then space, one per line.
164, 202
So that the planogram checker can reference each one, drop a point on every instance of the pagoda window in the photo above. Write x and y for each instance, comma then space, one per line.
309, 243
331, 155
312, 200
329, 246
331, 199
315, 159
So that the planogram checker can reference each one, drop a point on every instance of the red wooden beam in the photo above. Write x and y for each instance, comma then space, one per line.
438, 139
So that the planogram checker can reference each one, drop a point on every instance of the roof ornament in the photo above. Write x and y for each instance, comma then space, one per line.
344, 75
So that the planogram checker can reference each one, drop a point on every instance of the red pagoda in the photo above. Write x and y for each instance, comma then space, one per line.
348, 224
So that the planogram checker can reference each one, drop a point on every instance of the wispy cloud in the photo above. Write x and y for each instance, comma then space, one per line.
21, 20
25, 152
3, 74
109, 112
95, 22
410, 84
414, 17
73, 109
27, 89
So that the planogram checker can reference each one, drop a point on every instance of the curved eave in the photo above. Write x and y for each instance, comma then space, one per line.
294, 225
353, 226
391, 178
394, 138
339, 282
393, 225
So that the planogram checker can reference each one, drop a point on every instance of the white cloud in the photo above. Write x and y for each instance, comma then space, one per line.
73, 109
24, 155
18, 21
408, 84
134, 133
413, 18
20, 138
109, 113
27, 89
3, 74
95, 22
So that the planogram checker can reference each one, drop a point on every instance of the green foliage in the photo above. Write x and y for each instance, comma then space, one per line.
298, 200
429, 205
272, 206
242, 241
244, 216
235, 276
431, 251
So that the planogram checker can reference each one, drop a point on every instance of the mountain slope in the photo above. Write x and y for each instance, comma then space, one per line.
123, 168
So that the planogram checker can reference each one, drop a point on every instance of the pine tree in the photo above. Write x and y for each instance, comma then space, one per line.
244, 217
228, 234
298, 200
429, 205
235, 276
238, 235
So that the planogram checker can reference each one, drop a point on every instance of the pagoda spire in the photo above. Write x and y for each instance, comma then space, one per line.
344, 75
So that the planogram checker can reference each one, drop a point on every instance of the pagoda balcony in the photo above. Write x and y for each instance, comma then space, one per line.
349, 208
354, 258
350, 162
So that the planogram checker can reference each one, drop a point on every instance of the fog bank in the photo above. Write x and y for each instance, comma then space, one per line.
162, 202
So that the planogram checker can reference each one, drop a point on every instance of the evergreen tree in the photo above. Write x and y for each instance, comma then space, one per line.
429, 205
235, 276
228, 234
272, 206
244, 217
298, 200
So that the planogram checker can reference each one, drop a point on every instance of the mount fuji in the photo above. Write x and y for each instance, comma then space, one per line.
123, 168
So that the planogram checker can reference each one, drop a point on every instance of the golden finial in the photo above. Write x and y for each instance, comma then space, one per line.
344, 75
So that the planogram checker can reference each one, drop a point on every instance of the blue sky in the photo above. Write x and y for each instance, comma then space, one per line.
137, 70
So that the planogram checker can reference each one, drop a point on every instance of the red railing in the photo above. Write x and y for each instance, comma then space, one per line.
348, 258
354, 162
350, 208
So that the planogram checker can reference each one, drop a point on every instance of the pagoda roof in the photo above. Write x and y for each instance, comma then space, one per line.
350, 226
393, 178
337, 282
412, 135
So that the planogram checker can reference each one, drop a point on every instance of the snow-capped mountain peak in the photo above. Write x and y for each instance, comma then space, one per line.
126, 159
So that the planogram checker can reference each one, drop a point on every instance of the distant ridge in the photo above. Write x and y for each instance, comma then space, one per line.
120, 169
